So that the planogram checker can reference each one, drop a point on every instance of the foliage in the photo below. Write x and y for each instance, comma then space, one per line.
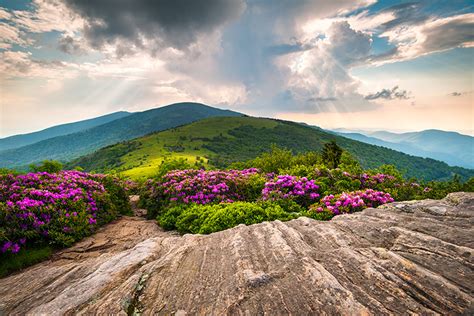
236, 142
293, 189
301, 190
83, 142
50, 166
57, 209
172, 164
331, 154
205, 219
11, 262
351, 202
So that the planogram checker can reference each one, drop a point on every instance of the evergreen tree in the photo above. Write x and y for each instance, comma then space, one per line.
331, 155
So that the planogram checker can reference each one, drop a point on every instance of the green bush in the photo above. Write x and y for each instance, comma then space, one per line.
168, 165
323, 215
50, 166
115, 188
205, 219
251, 188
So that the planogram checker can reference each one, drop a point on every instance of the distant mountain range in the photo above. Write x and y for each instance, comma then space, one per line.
453, 148
89, 136
219, 141
136, 143
59, 130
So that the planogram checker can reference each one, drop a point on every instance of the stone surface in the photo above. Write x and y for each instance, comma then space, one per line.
404, 258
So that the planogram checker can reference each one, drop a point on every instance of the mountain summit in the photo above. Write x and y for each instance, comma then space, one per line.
137, 124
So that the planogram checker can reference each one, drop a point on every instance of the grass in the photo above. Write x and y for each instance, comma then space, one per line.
220, 141
148, 152
10, 263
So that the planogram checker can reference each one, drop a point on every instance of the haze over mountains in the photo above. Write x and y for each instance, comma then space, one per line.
453, 148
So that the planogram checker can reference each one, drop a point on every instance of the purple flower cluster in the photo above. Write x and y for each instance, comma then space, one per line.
302, 190
56, 208
370, 181
203, 187
352, 202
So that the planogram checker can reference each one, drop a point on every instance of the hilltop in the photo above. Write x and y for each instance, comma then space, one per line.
223, 140
137, 124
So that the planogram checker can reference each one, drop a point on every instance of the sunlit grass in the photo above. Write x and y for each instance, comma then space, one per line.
145, 160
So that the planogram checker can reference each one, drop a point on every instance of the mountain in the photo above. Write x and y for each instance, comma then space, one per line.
70, 146
17, 141
221, 141
453, 148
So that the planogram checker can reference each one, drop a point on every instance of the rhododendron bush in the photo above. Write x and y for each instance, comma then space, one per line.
302, 190
351, 202
202, 187
176, 192
57, 209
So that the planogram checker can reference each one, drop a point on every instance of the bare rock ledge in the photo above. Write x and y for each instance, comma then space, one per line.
403, 258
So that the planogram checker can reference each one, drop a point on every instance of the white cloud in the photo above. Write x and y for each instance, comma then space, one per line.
319, 78
433, 36
48, 15
10, 35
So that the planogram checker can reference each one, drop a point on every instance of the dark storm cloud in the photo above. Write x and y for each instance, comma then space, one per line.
389, 94
166, 23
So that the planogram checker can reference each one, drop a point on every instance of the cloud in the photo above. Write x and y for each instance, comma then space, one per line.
435, 35
20, 65
46, 16
459, 93
389, 94
319, 79
69, 45
10, 35
409, 13
152, 24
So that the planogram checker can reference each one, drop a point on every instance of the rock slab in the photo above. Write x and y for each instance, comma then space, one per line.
411, 257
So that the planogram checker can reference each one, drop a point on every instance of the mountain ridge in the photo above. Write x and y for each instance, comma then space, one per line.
451, 147
20, 140
137, 124
220, 141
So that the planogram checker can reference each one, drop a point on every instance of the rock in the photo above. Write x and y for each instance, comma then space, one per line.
137, 211
411, 257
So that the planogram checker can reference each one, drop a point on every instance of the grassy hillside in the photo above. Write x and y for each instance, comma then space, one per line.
221, 141
17, 141
135, 125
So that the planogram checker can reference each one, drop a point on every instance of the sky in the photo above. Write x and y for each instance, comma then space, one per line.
354, 64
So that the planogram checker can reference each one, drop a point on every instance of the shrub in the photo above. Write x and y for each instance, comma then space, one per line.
169, 165
351, 202
205, 219
301, 190
56, 209
51, 166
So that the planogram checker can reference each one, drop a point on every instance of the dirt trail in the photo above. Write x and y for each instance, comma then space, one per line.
411, 257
